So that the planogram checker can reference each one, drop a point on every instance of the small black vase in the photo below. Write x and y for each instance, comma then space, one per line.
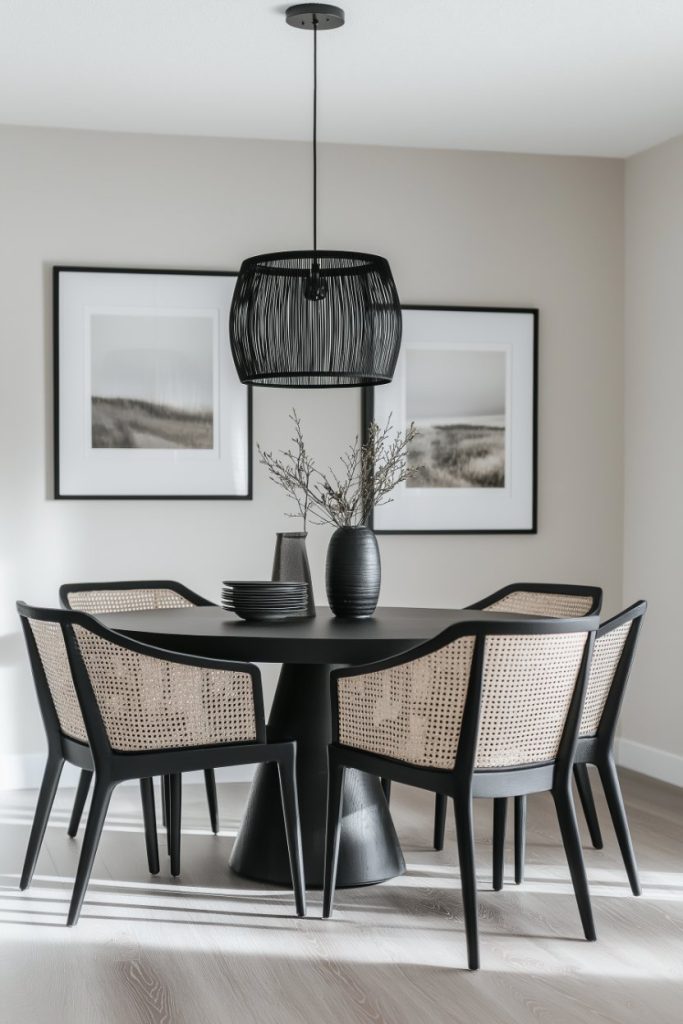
352, 572
291, 563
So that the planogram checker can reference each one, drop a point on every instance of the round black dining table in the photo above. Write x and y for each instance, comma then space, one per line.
307, 649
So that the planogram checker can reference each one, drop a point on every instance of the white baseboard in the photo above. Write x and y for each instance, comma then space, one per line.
659, 764
25, 771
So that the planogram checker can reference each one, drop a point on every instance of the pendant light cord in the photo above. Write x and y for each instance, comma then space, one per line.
315, 133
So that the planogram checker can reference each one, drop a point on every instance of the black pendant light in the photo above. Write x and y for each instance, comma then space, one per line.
315, 318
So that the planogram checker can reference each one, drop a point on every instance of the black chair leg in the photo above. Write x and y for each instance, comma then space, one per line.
174, 814
571, 840
46, 798
166, 786
500, 806
583, 786
440, 808
386, 786
334, 818
150, 818
615, 803
91, 840
79, 801
212, 798
465, 836
520, 838
290, 811
164, 809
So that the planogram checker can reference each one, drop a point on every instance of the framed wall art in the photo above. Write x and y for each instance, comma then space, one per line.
147, 402
467, 378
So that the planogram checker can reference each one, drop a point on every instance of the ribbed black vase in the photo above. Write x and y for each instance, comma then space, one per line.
352, 572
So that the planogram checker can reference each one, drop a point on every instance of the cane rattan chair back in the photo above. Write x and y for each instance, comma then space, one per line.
549, 600
412, 710
152, 702
611, 665
52, 674
128, 596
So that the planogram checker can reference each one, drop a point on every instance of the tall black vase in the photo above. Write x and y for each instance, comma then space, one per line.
291, 563
352, 572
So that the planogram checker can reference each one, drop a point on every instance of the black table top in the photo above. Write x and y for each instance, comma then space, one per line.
324, 639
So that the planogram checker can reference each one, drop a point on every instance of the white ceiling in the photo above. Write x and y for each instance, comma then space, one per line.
600, 77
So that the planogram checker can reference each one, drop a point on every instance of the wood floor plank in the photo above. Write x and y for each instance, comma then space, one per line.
210, 947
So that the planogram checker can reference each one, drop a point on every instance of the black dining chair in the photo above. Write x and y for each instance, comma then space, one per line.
486, 709
613, 654
550, 600
65, 730
545, 599
134, 596
153, 712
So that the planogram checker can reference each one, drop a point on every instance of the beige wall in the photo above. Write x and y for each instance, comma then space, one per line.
652, 722
462, 228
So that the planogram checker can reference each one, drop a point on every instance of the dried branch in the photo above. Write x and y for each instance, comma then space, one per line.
370, 472
293, 472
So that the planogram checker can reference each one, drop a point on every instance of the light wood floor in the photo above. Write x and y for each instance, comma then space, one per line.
212, 948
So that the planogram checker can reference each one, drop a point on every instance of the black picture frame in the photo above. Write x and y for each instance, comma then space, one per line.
58, 492
367, 415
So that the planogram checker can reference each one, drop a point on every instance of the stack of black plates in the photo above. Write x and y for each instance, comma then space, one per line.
265, 601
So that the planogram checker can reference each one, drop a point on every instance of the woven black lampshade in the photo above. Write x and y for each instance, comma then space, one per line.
315, 319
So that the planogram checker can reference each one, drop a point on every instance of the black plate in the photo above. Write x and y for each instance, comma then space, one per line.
270, 585
264, 595
237, 595
265, 605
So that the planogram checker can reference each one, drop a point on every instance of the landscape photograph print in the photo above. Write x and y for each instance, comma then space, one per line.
152, 381
466, 380
456, 398
148, 403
